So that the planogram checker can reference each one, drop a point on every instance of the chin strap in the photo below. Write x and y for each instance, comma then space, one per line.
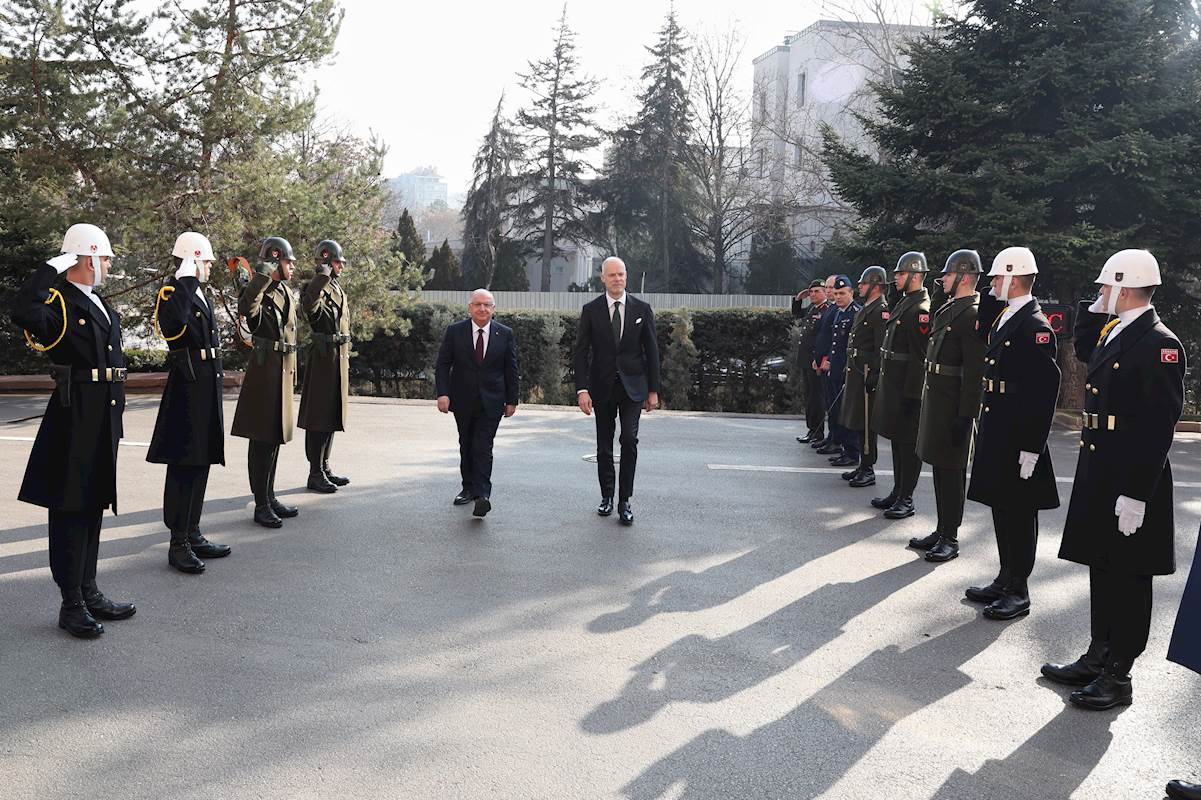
63, 306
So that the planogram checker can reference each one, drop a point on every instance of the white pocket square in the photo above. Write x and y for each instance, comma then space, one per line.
638, 320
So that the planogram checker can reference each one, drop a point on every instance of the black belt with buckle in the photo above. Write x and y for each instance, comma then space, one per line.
944, 369
331, 338
999, 387
1104, 422
64, 375
272, 344
893, 355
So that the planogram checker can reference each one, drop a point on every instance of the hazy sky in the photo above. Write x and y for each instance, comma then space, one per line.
425, 76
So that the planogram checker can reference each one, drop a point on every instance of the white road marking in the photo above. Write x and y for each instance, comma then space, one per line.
836, 471
30, 439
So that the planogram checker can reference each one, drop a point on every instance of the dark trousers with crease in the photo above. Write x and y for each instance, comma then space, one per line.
1017, 541
840, 435
1120, 613
183, 497
950, 489
617, 404
906, 469
815, 401
74, 548
261, 460
476, 435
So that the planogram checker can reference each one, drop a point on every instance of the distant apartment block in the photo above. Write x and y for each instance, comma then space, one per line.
418, 190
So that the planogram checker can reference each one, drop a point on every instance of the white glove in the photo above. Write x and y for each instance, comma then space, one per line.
63, 263
1026, 462
1130, 514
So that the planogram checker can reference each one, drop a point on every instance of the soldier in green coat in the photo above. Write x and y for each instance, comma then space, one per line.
863, 371
951, 400
326, 374
264, 412
902, 376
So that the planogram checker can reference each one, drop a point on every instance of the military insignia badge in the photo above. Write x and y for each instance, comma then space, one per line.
1042, 338
1169, 355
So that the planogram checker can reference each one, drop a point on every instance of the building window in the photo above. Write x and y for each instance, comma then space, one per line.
800, 90
761, 102
799, 155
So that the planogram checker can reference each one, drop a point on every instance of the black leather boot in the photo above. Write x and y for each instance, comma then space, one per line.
203, 548
1080, 672
75, 619
866, 477
1012, 603
1110, 689
319, 483
1179, 790
282, 511
901, 509
336, 480
985, 594
181, 556
925, 542
101, 607
946, 549
265, 515
606, 507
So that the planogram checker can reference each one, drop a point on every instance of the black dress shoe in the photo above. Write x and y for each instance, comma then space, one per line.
482, 506
319, 483
901, 509
336, 480
810, 437
884, 502
1108, 690
866, 477
819, 443
945, 550
925, 542
101, 607
206, 549
828, 449
75, 619
283, 511
844, 461
851, 475
183, 558
1008, 606
266, 516
985, 594
1179, 790
1080, 672
606, 507
463, 498
625, 514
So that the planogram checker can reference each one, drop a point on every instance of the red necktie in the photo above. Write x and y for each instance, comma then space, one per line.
479, 347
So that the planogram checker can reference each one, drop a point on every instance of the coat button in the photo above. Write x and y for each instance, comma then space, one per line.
1007, 344
110, 348
1088, 386
1115, 365
112, 402
1092, 447
1096, 390
992, 361
81, 322
1082, 443
986, 409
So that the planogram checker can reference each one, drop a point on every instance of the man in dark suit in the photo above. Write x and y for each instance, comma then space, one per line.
478, 381
72, 468
1121, 521
1185, 650
617, 373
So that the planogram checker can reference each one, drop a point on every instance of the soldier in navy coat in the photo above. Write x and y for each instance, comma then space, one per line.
1011, 471
1120, 519
1186, 651
72, 468
832, 344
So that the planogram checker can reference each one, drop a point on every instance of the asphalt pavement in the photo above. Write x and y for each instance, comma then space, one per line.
760, 632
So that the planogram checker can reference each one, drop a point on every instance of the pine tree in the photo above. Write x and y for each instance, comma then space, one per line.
773, 267
1068, 127
488, 208
511, 275
444, 269
558, 131
406, 241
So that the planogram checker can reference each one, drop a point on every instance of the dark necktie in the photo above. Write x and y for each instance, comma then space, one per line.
479, 347
617, 322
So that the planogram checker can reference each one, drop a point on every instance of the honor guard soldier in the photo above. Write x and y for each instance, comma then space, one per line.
264, 412
811, 385
863, 372
1120, 518
832, 345
189, 434
902, 375
1185, 650
951, 400
323, 397
1011, 469
72, 469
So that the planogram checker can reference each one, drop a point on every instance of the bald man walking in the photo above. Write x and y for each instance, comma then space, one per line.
617, 375
478, 382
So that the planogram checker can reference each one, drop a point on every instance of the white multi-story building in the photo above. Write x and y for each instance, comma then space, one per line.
418, 190
820, 76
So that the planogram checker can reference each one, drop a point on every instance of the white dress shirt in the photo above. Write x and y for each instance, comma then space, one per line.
624, 308
1015, 305
475, 334
1124, 319
200, 294
86, 289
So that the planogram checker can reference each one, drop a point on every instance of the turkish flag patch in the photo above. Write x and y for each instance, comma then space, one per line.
923, 317
1169, 355
884, 315
1042, 338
